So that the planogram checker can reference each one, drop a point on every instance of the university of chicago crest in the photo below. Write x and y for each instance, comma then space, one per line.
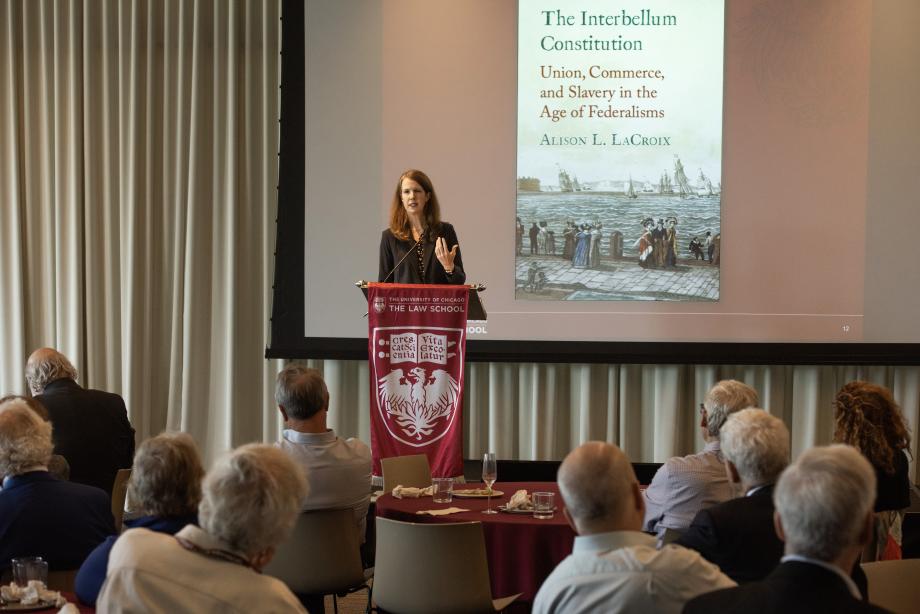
418, 381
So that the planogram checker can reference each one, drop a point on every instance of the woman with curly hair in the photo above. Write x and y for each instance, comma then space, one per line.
868, 418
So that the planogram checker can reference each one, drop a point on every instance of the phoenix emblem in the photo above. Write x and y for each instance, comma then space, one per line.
416, 401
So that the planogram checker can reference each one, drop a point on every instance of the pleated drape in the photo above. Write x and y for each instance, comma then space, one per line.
138, 172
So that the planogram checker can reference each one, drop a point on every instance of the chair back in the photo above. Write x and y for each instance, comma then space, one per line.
62, 580
431, 568
410, 470
894, 585
119, 493
322, 554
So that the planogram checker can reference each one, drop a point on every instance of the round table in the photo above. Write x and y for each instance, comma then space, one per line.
522, 550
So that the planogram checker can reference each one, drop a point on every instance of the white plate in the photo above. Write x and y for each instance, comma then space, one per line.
476, 493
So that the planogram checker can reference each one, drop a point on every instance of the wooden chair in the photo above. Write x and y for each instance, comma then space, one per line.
894, 585
406, 470
62, 580
322, 556
119, 493
424, 568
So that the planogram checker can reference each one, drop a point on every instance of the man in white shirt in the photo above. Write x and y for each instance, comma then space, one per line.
614, 567
338, 471
686, 484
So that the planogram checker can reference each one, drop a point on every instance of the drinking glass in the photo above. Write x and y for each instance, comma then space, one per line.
543, 506
29, 568
442, 490
489, 475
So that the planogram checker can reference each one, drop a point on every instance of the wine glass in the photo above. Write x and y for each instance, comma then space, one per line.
489, 475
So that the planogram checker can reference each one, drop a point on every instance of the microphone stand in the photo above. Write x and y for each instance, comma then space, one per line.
421, 237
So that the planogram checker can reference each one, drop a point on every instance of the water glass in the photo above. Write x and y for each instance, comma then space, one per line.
442, 490
543, 505
29, 568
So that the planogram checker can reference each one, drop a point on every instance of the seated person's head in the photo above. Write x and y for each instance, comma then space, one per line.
45, 366
34, 404
824, 502
600, 489
25, 439
57, 464
867, 417
300, 392
251, 499
166, 476
723, 399
757, 446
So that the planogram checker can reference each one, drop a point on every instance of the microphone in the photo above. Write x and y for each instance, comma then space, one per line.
421, 238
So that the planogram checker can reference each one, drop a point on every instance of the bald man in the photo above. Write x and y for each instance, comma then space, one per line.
614, 567
91, 427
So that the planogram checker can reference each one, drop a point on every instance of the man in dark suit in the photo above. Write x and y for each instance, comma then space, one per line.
91, 427
41, 515
738, 535
824, 515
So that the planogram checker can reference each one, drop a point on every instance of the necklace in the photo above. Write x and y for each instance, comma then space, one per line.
420, 254
213, 553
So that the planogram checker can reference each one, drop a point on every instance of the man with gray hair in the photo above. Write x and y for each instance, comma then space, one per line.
91, 427
686, 484
738, 535
41, 515
338, 470
250, 502
824, 515
614, 567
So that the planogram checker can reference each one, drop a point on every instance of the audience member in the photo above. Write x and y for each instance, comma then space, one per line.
251, 499
824, 514
868, 418
614, 567
685, 485
738, 535
41, 515
91, 428
57, 464
165, 484
338, 470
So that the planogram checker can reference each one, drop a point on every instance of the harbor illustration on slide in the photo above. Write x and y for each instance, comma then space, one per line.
619, 238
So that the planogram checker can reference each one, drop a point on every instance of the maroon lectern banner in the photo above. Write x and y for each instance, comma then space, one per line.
416, 346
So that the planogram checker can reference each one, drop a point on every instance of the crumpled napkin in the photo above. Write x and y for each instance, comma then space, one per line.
411, 492
69, 608
444, 512
32, 594
520, 500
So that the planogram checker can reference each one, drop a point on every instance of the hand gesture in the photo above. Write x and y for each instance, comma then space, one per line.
445, 256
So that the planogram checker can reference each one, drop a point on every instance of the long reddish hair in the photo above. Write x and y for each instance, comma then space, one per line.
868, 418
399, 220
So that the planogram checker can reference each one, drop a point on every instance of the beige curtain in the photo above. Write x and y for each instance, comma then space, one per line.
138, 168
542, 411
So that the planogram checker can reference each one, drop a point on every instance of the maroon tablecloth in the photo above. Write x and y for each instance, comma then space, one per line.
71, 597
522, 550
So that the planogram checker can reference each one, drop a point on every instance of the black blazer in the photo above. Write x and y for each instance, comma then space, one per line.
794, 587
91, 430
738, 536
392, 250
